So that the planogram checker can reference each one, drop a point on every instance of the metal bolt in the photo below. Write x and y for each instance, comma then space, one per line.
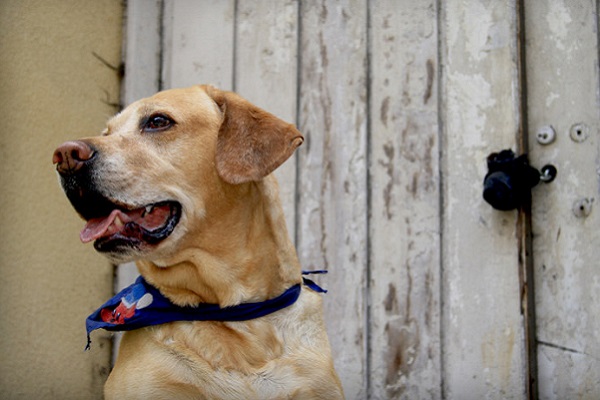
583, 207
548, 173
546, 135
579, 132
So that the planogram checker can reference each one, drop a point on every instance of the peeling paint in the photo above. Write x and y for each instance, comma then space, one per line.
385, 107
430, 74
558, 19
551, 98
480, 116
332, 175
497, 356
390, 303
388, 150
563, 42
403, 344
471, 99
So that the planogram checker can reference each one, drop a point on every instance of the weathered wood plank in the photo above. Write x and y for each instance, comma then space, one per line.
266, 73
483, 335
142, 50
332, 227
405, 346
563, 84
198, 43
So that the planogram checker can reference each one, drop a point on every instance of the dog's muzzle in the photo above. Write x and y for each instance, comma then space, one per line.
113, 227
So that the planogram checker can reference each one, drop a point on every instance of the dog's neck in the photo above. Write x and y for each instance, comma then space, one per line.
253, 260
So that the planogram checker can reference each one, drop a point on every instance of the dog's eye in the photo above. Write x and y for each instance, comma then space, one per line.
156, 123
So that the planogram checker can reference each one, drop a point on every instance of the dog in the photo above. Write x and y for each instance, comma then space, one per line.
181, 183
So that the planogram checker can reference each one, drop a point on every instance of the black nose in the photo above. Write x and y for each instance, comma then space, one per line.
69, 157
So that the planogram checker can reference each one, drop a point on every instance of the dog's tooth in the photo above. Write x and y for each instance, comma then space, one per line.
118, 222
149, 209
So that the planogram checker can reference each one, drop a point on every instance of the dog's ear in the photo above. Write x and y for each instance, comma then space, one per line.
252, 143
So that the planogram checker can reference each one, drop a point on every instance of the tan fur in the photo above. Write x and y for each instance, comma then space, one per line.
231, 246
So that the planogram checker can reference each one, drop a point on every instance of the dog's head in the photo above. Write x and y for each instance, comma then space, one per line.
165, 164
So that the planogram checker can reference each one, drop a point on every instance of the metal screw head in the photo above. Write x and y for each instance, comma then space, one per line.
579, 132
548, 173
583, 207
545, 135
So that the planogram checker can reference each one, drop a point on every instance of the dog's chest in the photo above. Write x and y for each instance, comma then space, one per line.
218, 360
241, 346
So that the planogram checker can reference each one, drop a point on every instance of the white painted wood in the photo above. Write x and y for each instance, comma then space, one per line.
332, 230
142, 49
198, 43
567, 374
562, 59
405, 345
483, 338
266, 73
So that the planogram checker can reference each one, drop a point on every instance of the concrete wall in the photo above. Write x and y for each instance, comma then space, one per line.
52, 88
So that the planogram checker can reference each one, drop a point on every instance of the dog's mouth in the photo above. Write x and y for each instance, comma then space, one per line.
122, 228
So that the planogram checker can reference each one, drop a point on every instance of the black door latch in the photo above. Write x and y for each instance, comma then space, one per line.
509, 180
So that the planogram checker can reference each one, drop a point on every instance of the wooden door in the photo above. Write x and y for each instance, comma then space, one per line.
431, 291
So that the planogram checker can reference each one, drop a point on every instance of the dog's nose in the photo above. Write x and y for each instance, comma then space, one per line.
71, 156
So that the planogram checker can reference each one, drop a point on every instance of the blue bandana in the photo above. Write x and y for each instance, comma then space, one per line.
141, 305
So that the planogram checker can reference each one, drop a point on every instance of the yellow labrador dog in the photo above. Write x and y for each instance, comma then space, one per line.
181, 183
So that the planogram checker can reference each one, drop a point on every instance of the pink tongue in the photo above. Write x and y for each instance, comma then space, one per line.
99, 227
116, 221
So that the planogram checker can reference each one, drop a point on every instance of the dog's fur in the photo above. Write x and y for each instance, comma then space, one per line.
230, 246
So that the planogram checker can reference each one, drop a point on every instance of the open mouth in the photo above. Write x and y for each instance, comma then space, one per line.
132, 228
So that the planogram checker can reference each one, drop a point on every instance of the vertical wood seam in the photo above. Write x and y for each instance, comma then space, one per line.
524, 220
161, 44
234, 66
368, 184
441, 197
298, 120
597, 21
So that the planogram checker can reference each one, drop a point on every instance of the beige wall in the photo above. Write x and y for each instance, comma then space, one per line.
51, 89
